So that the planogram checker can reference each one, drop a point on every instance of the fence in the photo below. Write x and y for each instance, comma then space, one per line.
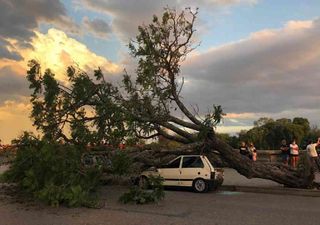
271, 155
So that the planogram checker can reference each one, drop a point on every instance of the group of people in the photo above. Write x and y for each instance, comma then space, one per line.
248, 150
290, 153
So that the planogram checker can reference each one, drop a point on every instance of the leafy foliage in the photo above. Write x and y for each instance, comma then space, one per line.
138, 195
57, 107
53, 173
121, 163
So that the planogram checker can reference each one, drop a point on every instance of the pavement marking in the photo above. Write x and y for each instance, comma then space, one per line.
229, 193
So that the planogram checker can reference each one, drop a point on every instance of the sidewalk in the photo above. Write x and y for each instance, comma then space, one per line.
233, 181
232, 177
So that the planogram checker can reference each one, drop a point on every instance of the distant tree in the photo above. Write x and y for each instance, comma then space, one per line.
257, 135
262, 121
302, 122
232, 140
284, 121
314, 133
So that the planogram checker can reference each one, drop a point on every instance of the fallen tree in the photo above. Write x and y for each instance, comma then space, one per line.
147, 104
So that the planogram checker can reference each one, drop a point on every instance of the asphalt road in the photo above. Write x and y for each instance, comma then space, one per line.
179, 207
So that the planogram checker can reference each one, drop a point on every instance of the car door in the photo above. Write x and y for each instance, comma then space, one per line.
192, 167
171, 172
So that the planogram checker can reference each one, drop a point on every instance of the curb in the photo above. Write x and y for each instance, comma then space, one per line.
272, 190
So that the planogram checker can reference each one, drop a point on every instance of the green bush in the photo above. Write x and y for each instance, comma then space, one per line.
138, 195
120, 163
53, 173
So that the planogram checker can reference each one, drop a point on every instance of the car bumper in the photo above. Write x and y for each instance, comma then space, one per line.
215, 183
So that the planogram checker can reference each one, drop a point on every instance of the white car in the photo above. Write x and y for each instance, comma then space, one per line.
193, 171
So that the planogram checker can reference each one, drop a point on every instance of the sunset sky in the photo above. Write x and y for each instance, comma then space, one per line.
257, 58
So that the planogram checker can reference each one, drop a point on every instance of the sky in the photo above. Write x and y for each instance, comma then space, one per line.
256, 58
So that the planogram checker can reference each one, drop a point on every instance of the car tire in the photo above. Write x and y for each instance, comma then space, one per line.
200, 185
143, 182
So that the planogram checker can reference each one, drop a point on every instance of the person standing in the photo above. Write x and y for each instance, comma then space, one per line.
313, 154
252, 151
294, 153
285, 153
243, 149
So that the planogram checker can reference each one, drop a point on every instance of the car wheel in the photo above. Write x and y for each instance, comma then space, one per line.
200, 185
143, 182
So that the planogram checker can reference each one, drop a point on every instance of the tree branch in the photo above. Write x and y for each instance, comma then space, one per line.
184, 123
174, 138
178, 131
182, 106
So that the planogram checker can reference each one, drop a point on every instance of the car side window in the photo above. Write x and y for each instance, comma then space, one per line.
174, 164
192, 162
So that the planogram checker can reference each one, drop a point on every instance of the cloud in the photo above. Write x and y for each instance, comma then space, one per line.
128, 15
269, 72
20, 18
6, 53
10, 113
13, 86
57, 51
97, 27
232, 129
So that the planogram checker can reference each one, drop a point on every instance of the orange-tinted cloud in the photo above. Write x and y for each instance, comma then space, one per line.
57, 51
14, 118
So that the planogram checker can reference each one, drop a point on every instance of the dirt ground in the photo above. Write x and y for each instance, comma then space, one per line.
179, 207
